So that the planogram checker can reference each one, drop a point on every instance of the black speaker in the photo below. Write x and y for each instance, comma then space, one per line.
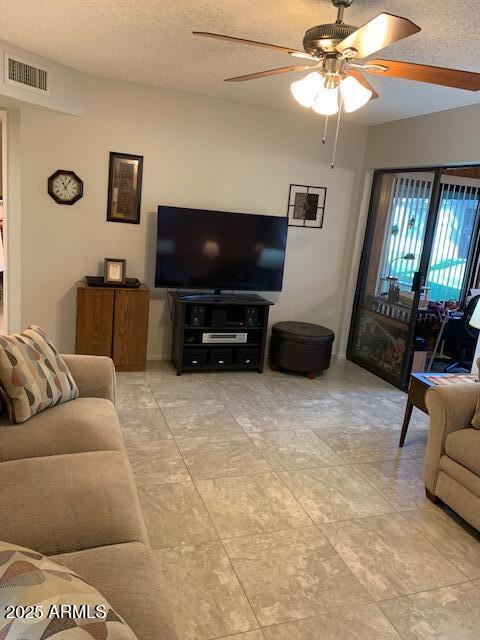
219, 318
251, 316
197, 317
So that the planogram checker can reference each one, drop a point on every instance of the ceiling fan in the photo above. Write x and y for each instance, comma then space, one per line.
334, 50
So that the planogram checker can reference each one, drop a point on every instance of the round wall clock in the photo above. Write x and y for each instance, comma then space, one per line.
65, 187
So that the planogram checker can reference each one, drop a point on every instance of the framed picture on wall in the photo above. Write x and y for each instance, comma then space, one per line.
306, 206
124, 188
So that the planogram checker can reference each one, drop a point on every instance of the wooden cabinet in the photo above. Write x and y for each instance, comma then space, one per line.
95, 309
130, 333
113, 322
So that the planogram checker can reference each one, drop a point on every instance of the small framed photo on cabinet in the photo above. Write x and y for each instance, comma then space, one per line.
124, 188
115, 271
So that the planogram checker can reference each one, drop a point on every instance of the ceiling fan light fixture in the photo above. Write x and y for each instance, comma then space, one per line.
305, 91
326, 103
354, 94
302, 55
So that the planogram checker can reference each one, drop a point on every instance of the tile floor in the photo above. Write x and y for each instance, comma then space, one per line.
282, 509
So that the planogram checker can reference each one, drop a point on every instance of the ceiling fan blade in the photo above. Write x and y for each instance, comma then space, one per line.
363, 81
380, 32
424, 73
266, 45
269, 72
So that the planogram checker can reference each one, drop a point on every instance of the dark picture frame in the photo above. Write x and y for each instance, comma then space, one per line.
115, 263
306, 206
124, 188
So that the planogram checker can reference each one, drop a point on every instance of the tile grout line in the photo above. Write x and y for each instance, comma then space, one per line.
402, 597
330, 544
405, 595
221, 543
346, 607
416, 593
435, 547
275, 472
189, 473
398, 510
219, 538
269, 532
229, 560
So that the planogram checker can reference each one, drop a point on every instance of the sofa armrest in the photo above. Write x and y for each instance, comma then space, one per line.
450, 408
94, 375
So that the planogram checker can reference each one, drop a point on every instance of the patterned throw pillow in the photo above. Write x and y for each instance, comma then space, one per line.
41, 599
33, 376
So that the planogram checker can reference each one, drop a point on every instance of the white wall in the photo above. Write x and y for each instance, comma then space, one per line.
449, 137
199, 152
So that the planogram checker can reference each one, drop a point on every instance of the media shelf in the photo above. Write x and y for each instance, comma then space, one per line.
200, 345
218, 332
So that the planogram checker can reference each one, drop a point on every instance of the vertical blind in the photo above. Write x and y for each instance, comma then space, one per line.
406, 218
454, 233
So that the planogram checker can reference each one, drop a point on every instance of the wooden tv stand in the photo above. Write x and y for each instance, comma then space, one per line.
189, 350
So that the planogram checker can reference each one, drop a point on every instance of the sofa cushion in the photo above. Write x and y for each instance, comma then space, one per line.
463, 446
127, 575
69, 502
84, 424
30, 580
33, 375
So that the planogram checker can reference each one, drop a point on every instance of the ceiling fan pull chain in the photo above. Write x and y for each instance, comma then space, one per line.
336, 132
324, 139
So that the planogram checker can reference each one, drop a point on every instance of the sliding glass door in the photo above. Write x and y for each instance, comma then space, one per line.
390, 280
422, 243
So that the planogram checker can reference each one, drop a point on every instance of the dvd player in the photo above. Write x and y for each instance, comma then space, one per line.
239, 337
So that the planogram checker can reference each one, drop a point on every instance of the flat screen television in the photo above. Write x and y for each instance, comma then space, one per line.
198, 249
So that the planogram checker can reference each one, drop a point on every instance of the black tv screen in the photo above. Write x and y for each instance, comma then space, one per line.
198, 249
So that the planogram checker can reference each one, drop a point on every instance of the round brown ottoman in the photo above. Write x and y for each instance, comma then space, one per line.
301, 346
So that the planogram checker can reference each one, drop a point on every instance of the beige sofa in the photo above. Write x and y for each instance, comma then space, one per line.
452, 461
67, 490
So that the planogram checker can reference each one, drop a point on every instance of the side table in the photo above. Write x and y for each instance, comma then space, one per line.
420, 383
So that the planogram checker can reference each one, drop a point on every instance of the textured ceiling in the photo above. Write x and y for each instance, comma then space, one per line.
150, 42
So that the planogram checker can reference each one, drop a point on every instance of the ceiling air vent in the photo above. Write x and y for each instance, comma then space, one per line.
24, 74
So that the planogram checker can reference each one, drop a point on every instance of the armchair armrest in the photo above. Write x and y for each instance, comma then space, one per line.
94, 375
450, 408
